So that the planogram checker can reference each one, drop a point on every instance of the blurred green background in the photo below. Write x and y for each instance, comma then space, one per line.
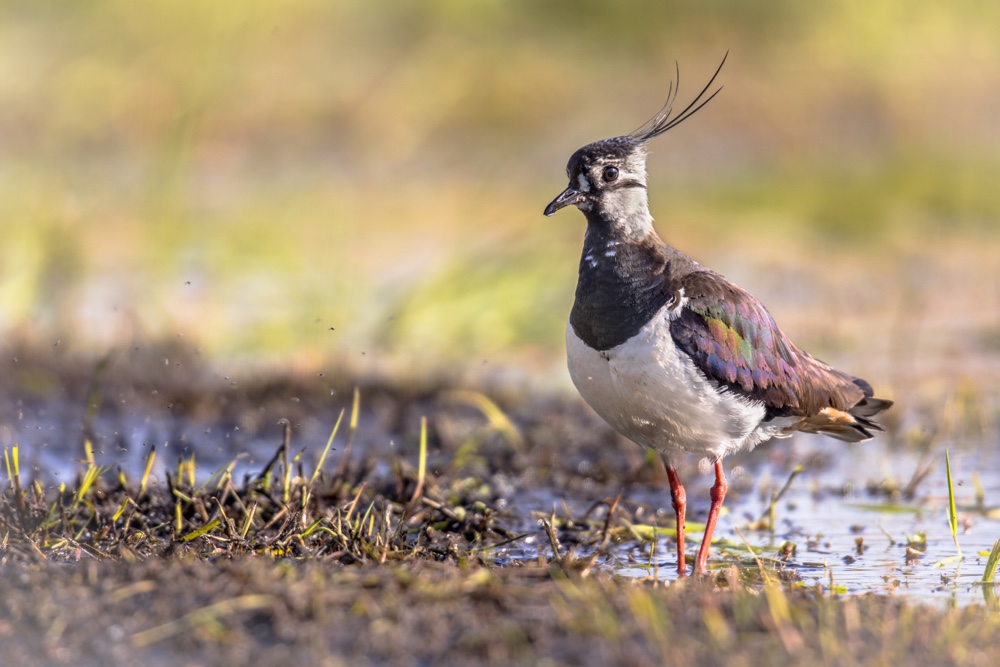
308, 181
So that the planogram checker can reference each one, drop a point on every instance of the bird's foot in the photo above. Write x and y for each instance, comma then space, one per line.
678, 498
718, 494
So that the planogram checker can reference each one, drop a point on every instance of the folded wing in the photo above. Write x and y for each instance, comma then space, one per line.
732, 338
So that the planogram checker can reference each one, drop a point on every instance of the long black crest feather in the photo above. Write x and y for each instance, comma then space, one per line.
662, 121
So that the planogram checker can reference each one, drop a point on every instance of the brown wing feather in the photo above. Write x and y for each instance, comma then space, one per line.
734, 340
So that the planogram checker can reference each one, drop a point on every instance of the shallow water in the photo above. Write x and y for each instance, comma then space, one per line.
843, 510
824, 512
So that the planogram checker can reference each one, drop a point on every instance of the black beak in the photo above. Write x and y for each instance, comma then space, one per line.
568, 196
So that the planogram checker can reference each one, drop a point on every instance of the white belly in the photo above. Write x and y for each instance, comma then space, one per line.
653, 394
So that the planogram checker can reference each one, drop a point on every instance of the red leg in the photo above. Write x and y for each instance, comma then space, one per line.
718, 495
678, 498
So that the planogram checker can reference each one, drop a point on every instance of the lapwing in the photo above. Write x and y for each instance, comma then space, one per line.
671, 354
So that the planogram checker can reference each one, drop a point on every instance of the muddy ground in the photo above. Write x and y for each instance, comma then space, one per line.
517, 542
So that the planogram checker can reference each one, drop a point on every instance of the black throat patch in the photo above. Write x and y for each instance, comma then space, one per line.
622, 285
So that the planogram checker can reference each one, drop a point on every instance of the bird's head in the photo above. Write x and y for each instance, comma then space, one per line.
607, 179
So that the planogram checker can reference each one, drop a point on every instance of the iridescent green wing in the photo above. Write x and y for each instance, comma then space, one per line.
732, 338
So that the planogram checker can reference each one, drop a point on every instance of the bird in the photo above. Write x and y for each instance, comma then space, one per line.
670, 353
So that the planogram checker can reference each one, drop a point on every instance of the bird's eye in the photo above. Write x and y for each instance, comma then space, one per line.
610, 173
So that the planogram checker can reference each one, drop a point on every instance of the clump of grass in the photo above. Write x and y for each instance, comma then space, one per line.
278, 512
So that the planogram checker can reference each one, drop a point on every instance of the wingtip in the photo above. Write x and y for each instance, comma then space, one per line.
869, 407
845, 426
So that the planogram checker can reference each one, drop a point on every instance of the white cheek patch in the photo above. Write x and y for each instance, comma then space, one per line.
583, 183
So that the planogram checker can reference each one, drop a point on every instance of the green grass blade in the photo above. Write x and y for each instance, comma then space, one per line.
121, 510
190, 466
952, 513
319, 464
887, 508
286, 443
980, 492
351, 431
326, 450
991, 564
226, 474
495, 416
201, 531
950, 560
249, 520
178, 517
149, 467
312, 528
422, 464
14, 475
89, 477
491, 547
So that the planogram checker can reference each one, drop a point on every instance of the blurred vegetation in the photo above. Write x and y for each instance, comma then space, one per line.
310, 179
